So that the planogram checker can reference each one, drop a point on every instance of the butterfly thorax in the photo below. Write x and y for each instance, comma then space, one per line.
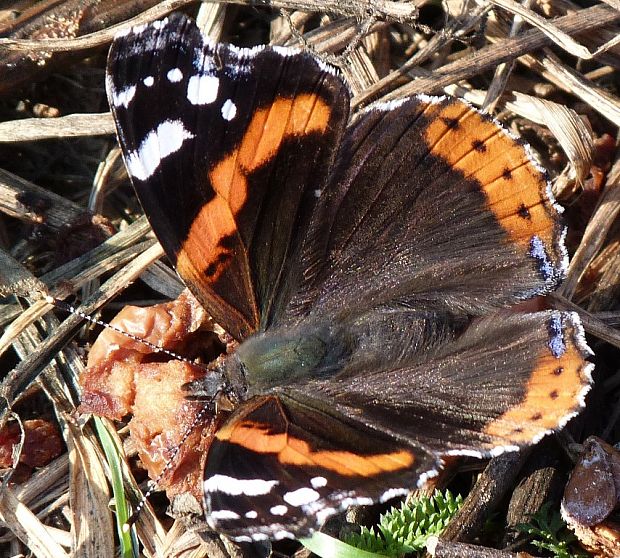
284, 356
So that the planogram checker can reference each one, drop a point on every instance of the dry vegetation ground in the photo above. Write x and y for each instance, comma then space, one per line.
550, 70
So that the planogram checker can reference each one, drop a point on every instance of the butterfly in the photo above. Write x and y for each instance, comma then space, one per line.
365, 263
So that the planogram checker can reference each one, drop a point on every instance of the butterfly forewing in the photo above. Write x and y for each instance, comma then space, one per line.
220, 177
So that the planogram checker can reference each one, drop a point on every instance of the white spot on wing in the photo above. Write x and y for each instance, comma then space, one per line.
301, 496
323, 514
388, 106
318, 482
139, 29
285, 52
251, 515
229, 110
157, 145
432, 99
175, 75
279, 535
123, 97
260, 536
202, 89
160, 23
587, 371
278, 510
343, 499
148, 81
356, 501
236, 487
467, 452
225, 514
392, 493
504, 449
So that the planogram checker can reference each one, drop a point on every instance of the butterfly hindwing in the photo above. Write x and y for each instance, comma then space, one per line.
220, 178
279, 467
471, 395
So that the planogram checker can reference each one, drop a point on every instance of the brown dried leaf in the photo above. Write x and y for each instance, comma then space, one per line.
593, 490
121, 380
42, 443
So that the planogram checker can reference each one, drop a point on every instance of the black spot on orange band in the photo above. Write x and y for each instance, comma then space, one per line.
479, 146
524, 212
451, 123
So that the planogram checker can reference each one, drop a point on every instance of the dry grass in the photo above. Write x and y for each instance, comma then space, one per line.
549, 70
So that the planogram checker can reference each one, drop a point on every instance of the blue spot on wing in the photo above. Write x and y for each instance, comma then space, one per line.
556, 336
538, 252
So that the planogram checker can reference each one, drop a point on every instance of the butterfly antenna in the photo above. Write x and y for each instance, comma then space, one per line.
167, 467
156, 348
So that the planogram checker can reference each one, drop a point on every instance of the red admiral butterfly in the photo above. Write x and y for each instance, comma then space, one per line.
363, 264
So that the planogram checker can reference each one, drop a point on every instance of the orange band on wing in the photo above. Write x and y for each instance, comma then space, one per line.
552, 394
514, 187
268, 128
293, 451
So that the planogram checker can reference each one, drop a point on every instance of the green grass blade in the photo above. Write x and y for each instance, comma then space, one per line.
112, 452
328, 547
